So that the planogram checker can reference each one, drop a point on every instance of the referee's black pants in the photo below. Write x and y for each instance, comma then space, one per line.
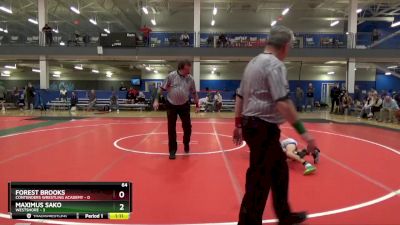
268, 170
184, 113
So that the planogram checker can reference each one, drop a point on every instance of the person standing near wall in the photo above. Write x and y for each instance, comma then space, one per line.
48, 33
357, 94
335, 93
30, 95
180, 85
262, 104
3, 94
299, 99
310, 97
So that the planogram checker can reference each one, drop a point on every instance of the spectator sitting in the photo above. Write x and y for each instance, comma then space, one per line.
389, 106
210, 103
74, 101
185, 39
346, 103
63, 94
366, 109
132, 95
92, 100
377, 104
218, 101
141, 97
114, 102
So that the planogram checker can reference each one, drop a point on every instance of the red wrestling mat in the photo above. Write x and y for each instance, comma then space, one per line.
356, 181
12, 122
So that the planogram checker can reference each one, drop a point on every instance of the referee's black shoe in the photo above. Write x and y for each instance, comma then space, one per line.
294, 218
187, 148
172, 156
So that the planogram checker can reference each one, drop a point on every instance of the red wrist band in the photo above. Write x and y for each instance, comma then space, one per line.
238, 121
197, 105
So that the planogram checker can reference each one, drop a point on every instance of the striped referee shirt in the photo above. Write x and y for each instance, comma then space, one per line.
264, 83
179, 88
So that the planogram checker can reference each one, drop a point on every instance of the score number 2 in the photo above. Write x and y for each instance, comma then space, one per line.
121, 195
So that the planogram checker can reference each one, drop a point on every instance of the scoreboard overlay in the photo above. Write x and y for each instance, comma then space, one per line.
70, 200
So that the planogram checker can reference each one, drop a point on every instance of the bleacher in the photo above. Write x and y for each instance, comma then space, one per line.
50, 99
59, 104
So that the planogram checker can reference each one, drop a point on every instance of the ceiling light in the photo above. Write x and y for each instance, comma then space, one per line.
107, 30
62, 43
273, 23
212, 71
388, 73
395, 24
109, 74
285, 11
5, 73
55, 31
212, 22
78, 67
7, 10
95, 71
215, 11
5, 31
56, 74
33, 21
93, 21
214, 68
11, 67
331, 73
334, 23
359, 10
148, 68
35, 70
1, 29
392, 67
355, 69
145, 10
153, 21
75, 10
155, 71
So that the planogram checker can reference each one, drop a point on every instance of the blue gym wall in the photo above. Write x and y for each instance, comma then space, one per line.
387, 83
384, 29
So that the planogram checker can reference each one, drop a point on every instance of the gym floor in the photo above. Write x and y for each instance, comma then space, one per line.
356, 181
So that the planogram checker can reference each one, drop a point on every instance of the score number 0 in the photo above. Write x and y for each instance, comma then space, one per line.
121, 195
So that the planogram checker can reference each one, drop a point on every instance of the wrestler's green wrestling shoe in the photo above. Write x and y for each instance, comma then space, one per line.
309, 169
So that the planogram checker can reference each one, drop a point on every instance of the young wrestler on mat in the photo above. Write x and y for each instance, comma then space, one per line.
289, 146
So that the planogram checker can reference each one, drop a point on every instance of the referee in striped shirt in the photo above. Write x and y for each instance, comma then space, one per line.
262, 104
180, 85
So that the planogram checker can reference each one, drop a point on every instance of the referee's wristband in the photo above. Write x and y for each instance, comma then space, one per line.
299, 127
238, 122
